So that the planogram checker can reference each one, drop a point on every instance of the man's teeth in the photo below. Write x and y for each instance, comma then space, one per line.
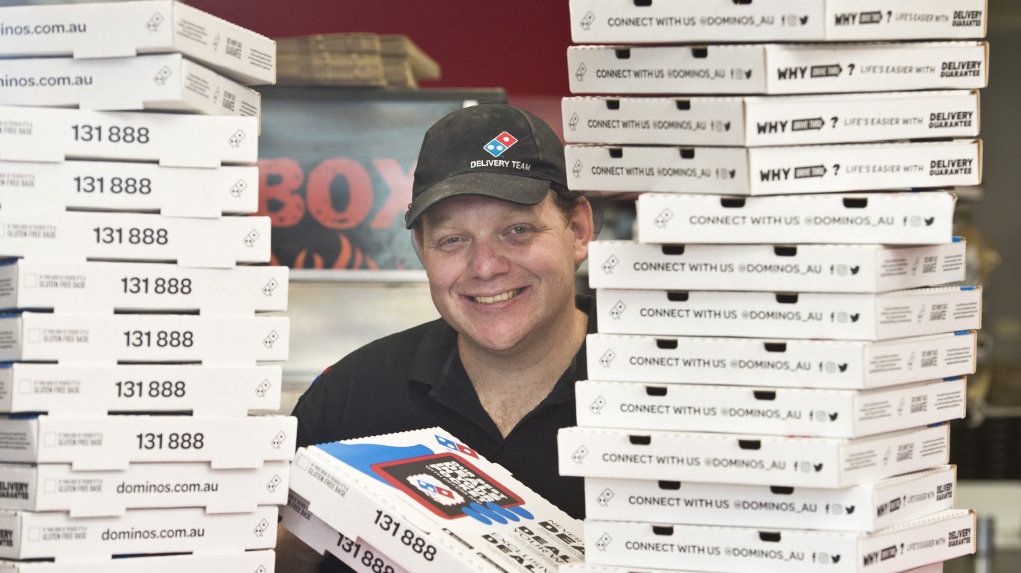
497, 298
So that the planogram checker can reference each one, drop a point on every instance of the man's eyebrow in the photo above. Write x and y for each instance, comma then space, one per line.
439, 221
444, 220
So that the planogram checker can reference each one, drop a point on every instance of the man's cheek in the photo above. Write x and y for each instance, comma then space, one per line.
441, 301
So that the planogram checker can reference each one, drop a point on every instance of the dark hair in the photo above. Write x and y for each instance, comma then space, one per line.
566, 199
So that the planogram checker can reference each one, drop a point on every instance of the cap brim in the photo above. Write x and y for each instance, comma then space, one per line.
514, 188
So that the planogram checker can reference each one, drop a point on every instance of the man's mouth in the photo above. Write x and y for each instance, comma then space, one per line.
498, 298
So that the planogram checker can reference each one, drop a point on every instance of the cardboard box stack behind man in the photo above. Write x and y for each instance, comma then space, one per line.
136, 345
776, 359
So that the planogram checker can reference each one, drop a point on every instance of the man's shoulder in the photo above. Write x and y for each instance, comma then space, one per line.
347, 399
393, 353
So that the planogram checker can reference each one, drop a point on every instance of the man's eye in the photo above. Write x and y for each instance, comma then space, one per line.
449, 241
519, 229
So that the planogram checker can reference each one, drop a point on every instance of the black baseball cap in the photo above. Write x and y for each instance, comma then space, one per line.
489, 149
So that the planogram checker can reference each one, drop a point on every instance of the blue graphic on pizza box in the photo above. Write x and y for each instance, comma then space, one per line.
445, 483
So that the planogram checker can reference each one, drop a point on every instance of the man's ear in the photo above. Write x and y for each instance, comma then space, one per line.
583, 229
416, 241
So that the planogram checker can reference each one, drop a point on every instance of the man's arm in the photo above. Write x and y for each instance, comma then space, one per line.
293, 556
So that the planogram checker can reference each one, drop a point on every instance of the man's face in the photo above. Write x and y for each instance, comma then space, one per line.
502, 274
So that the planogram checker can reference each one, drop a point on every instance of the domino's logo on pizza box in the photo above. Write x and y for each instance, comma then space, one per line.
435, 489
500, 143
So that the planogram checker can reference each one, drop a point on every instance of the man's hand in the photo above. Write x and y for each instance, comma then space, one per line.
293, 556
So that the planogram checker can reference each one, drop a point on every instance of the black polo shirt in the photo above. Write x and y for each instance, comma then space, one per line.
414, 379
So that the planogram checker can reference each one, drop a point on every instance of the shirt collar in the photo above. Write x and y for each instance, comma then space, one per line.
578, 369
435, 355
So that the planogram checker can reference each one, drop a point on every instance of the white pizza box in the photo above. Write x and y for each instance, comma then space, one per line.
77, 236
781, 412
57, 487
171, 139
598, 21
166, 82
260, 561
124, 186
777, 68
115, 442
775, 120
867, 507
79, 390
48, 134
749, 459
839, 316
774, 170
432, 504
923, 218
587, 568
784, 363
109, 30
808, 268
105, 340
57, 536
931, 539
314, 532
100, 287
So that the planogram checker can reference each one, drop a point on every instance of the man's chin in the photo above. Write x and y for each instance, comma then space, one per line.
500, 345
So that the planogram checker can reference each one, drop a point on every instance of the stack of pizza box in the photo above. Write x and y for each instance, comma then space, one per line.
423, 502
778, 351
139, 334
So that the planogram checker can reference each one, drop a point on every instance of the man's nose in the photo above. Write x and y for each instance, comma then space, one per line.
488, 259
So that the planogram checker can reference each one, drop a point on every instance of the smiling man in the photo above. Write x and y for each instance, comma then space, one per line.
500, 237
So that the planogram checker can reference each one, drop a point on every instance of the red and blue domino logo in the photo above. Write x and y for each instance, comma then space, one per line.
500, 143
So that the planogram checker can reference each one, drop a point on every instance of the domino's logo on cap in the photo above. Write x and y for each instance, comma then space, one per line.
500, 143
